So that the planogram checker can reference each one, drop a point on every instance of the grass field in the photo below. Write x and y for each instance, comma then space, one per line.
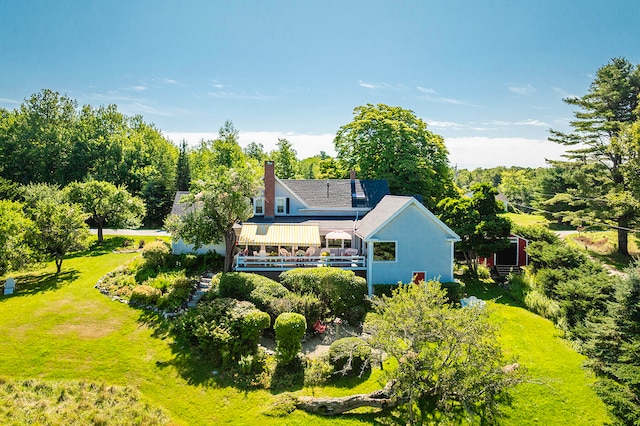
58, 328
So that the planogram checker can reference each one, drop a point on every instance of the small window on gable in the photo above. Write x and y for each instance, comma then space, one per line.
258, 206
384, 251
281, 205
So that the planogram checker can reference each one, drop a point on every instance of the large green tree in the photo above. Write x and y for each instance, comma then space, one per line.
49, 140
600, 153
217, 204
476, 219
384, 142
106, 204
448, 361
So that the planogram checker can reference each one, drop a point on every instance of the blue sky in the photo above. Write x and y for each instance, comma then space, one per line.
489, 76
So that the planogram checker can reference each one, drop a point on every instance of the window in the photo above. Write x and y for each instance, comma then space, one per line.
281, 205
384, 251
258, 206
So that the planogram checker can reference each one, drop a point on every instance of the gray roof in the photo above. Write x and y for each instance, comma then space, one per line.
178, 207
387, 208
338, 193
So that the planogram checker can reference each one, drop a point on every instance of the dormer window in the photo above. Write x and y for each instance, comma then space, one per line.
258, 206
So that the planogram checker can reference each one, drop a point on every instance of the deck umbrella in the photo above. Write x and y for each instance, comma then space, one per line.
337, 235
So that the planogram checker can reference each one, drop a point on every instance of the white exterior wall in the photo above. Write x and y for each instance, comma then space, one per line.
180, 247
421, 245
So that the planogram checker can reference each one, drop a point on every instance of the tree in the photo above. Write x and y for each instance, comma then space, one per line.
477, 221
61, 229
614, 347
601, 153
285, 160
391, 143
256, 151
183, 169
518, 185
215, 206
15, 228
106, 204
447, 359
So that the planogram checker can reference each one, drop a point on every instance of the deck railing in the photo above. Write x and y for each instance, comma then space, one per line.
248, 263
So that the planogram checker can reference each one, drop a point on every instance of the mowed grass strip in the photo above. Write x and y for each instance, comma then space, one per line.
62, 329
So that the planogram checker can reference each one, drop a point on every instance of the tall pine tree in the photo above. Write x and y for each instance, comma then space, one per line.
183, 169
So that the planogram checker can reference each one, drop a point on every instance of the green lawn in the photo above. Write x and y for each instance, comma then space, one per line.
61, 328
524, 219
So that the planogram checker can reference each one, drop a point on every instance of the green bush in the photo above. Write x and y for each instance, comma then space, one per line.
554, 256
340, 290
145, 295
350, 356
455, 290
535, 233
156, 254
223, 330
290, 328
317, 372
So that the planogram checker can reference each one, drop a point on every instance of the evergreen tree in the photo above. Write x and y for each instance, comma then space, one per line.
183, 170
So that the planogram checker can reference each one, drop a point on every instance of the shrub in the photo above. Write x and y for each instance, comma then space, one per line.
290, 328
267, 294
554, 256
535, 233
145, 295
340, 290
223, 330
156, 254
455, 290
483, 272
350, 356
317, 372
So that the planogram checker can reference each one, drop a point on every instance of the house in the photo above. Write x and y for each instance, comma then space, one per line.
405, 242
511, 258
348, 223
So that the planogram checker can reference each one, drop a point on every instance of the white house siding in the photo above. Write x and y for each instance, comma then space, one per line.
180, 247
421, 246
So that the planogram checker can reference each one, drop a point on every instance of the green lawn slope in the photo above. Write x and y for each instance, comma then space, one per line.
59, 328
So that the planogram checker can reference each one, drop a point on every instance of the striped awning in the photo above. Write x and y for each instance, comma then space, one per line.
279, 235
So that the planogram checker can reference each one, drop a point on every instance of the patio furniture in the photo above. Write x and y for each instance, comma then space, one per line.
350, 252
311, 251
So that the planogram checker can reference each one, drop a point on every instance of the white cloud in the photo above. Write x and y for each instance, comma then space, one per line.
465, 152
563, 93
235, 95
474, 152
522, 90
427, 90
9, 101
444, 124
531, 122
376, 86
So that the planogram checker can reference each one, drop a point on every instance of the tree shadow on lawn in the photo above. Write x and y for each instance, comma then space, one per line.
489, 290
191, 367
39, 283
109, 245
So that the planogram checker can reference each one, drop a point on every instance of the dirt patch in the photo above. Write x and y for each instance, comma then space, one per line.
317, 345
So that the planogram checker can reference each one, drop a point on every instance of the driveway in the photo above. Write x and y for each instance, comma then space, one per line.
134, 232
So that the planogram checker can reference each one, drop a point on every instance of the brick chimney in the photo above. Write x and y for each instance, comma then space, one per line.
269, 190
352, 174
